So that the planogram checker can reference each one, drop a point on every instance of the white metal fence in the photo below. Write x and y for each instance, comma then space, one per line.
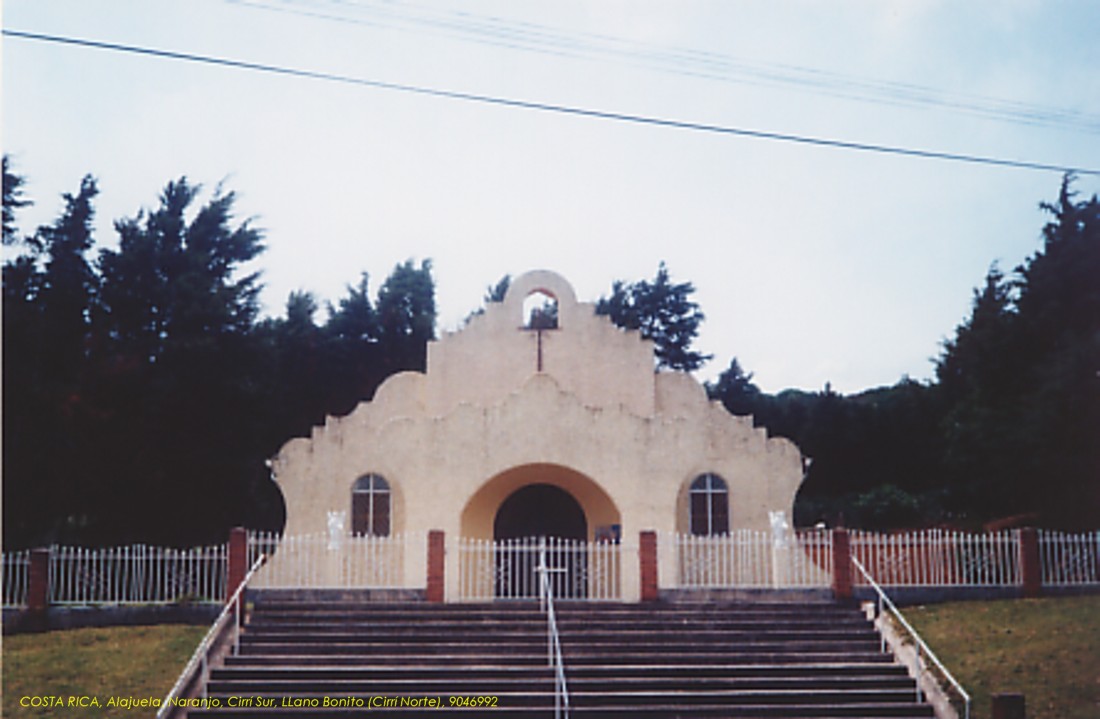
582, 570
1069, 559
16, 568
939, 558
753, 560
333, 560
136, 575
508, 569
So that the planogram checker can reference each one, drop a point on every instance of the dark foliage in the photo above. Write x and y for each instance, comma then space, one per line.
141, 395
13, 201
1022, 378
1009, 427
663, 312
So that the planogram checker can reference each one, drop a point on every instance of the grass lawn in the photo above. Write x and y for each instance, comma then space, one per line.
1047, 649
108, 662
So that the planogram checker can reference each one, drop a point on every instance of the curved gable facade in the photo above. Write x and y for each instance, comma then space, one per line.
503, 407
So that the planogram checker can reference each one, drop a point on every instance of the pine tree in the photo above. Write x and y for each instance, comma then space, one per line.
406, 315
663, 312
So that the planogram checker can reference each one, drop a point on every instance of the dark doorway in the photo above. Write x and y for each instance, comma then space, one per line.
531, 518
540, 510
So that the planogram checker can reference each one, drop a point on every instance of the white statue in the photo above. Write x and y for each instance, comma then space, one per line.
781, 530
336, 522
781, 549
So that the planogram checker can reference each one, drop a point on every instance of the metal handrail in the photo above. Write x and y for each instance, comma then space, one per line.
922, 647
201, 654
553, 639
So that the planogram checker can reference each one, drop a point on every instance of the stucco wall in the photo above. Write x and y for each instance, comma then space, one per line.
626, 441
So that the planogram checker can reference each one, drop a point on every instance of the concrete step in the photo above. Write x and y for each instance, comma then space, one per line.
462, 681
532, 611
567, 619
625, 639
637, 697
818, 660
577, 658
666, 709
504, 610
520, 645
746, 671
431, 632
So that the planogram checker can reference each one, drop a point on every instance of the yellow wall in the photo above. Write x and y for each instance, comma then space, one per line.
598, 422
480, 512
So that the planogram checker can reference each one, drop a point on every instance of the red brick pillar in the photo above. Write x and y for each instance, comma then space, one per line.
1031, 569
647, 556
1007, 706
238, 560
435, 591
38, 581
842, 565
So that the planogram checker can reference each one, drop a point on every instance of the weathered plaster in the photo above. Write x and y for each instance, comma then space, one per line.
597, 420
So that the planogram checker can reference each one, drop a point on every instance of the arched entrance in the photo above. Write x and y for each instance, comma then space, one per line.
530, 509
540, 510
480, 514
540, 525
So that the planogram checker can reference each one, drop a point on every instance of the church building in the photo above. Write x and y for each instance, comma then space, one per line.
555, 424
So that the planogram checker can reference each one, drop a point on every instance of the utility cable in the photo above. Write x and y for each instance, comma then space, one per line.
500, 32
553, 108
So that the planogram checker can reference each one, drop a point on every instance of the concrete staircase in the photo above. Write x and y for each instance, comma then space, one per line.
668, 660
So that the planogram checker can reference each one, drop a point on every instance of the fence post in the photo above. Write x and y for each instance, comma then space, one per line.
842, 565
1007, 706
647, 559
1031, 569
434, 591
238, 560
38, 581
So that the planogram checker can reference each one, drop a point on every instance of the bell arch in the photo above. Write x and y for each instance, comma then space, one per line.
540, 283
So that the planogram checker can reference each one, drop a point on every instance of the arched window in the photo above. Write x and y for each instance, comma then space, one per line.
710, 505
370, 506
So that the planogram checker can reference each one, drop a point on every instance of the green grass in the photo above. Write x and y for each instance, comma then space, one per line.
1047, 649
103, 662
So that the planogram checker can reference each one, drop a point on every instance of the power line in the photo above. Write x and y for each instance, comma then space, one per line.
551, 108
500, 32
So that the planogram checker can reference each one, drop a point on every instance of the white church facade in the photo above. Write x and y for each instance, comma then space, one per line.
516, 431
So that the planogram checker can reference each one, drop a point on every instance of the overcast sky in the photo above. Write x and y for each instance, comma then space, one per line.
812, 264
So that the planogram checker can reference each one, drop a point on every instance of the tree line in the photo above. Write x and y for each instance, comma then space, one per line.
1010, 427
143, 394
142, 391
